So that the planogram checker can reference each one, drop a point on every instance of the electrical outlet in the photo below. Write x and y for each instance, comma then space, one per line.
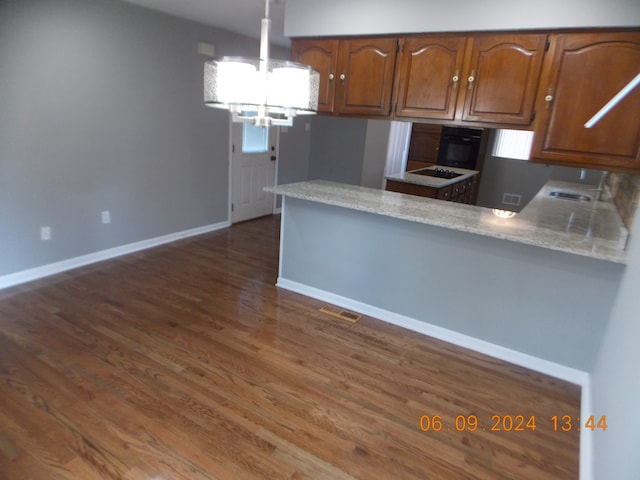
206, 49
106, 217
45, 233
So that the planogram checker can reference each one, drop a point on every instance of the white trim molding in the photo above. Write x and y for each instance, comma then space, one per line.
547, 367
586, 436
36, 273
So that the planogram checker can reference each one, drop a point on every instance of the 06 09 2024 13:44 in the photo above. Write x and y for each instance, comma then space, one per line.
511, 423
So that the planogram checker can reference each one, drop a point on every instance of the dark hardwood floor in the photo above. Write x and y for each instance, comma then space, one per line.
185, 362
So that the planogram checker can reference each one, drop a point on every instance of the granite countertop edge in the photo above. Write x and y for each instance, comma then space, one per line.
465, 218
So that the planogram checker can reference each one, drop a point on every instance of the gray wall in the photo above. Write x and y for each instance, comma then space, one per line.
503, 175
349, 150
544, 303
101, 109
354, 151
356, 17
293, 156
615, 382
293, 159
375, 153
337, 149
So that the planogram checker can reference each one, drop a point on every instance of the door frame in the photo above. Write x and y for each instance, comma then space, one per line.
230, 168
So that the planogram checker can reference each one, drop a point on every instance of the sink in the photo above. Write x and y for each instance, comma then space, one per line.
576, 197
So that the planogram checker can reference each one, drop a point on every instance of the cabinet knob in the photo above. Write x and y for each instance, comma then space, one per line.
471, 79
456, 77
342, 76
548, 99
331, 76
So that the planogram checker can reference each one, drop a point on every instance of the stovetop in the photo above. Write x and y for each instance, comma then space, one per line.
437, 172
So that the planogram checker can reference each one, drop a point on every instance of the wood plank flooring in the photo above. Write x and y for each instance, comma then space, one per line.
185, 362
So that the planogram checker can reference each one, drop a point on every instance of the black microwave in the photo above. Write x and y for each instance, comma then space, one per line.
459, 147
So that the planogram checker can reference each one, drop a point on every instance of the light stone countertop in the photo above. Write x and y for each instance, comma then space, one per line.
591, 229
433, 182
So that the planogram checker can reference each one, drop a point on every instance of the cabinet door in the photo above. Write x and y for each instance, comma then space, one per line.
502, 74
583, 73
429, 70
365, 77
423, 145
322, 55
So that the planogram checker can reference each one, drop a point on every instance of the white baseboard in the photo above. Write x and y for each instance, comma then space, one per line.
36, 273
546, 367
556, 370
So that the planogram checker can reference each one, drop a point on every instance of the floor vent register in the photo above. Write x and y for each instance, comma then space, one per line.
340, 313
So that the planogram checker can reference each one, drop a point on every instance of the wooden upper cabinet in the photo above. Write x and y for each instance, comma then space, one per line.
482, 78
356, 75
365, 79
323, 55
428, 76
502, 74
581, 74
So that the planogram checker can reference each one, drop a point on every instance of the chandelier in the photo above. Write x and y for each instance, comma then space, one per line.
261, 91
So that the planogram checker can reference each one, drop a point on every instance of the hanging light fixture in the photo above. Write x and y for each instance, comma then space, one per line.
261, 91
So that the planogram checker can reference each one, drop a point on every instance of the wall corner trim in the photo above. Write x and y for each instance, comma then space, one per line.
36, 273
586, 436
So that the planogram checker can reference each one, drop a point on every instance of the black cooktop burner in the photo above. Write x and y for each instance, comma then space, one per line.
437, 172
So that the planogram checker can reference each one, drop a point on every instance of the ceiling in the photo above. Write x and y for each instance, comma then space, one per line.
240, 16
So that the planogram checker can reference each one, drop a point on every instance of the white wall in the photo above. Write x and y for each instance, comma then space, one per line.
357, 17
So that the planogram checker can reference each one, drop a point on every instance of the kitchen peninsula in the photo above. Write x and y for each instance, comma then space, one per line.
536, 289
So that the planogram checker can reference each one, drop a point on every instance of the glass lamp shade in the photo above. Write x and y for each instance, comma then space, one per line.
240, 85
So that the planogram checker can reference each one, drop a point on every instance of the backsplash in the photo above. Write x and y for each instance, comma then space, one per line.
625, 190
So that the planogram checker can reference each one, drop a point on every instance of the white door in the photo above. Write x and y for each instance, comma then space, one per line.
253, 166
